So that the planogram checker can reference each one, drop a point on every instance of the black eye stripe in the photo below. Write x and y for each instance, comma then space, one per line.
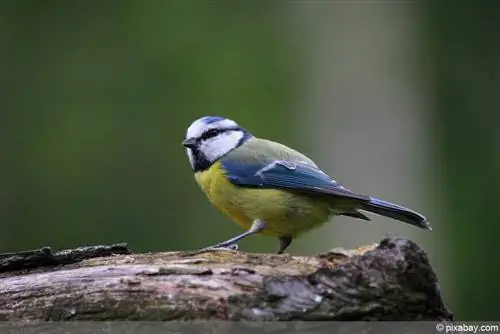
211, 133
214, 132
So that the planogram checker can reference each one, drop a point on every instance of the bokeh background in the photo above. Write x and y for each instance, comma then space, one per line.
394, 99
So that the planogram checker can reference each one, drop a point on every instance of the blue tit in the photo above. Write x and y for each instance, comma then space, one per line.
271, 189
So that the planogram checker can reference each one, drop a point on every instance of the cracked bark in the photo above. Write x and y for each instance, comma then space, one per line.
392, 280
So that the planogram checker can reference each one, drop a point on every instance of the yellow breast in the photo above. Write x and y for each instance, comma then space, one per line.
285, 213
222, 194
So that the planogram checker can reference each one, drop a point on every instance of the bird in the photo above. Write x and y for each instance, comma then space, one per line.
271, 189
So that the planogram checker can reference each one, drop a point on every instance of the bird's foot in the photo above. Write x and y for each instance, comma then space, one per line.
284, 242
231, 244
233, 247
230, 247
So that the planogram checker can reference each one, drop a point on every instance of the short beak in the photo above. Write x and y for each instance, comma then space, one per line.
189, 143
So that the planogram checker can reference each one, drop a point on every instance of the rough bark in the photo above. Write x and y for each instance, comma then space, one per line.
392, 280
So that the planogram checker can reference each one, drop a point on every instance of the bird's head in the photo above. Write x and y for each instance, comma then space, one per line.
209, 138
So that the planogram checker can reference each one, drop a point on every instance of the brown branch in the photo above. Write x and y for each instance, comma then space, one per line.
392, 280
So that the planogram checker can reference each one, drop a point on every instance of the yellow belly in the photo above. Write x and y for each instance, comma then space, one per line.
285, 213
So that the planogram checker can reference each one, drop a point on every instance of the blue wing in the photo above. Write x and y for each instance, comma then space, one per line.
283, 174
307, 178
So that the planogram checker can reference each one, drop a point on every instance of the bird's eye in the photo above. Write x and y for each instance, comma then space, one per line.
211, 133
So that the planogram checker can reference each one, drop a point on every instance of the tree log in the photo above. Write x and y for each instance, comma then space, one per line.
392, 280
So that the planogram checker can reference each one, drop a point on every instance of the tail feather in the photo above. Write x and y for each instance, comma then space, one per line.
397, 212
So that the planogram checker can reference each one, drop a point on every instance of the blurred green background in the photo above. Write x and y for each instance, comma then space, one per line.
399, 100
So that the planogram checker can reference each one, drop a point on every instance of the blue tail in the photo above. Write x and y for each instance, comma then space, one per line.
397, 212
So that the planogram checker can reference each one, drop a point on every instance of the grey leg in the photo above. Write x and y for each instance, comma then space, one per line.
257, 226
284, 243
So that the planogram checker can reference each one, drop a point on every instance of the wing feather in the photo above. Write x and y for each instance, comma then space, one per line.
283, 174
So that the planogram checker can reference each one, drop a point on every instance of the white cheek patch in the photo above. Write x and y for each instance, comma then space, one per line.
216, 147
